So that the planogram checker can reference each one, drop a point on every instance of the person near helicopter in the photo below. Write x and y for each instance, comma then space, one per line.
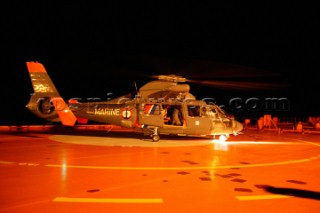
175, 117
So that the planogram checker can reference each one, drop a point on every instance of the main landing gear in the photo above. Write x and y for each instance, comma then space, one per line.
155, 138
153, 133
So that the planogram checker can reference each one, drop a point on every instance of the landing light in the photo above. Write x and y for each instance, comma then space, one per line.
223, 138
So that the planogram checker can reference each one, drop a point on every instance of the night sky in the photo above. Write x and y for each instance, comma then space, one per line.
92, 49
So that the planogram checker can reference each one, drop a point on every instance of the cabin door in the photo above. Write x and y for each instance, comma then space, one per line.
150, 114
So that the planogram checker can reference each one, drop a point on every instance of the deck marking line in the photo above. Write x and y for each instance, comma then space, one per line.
316, 144
178, 168
262, 197
108, 200
6, 162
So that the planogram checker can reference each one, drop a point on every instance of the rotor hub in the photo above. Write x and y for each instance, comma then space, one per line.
173, 78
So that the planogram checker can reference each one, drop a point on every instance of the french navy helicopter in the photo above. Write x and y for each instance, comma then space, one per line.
161, 106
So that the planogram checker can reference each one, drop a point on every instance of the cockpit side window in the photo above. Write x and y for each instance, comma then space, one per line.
194, 111
208, 112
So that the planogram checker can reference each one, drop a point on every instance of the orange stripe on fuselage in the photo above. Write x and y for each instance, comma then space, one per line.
35, 67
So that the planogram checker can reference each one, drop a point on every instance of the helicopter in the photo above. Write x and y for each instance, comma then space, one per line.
163, 106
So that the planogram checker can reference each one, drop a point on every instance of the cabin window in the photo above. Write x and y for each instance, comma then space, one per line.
152, 109
172, 114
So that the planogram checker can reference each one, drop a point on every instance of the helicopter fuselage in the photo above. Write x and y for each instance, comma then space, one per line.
186, 117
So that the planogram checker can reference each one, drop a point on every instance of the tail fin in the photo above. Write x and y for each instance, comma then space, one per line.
46, 101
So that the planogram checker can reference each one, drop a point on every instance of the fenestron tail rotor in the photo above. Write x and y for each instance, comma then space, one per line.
46, 101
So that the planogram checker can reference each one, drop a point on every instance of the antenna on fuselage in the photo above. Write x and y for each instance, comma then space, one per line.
135, 85
137, 92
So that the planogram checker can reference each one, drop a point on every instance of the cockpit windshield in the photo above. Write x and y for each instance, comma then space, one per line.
213, 111
201, 109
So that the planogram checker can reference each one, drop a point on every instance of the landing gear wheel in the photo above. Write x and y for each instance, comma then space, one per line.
155, 138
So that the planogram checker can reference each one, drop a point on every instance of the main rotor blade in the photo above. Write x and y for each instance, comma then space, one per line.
236, 85
201, 69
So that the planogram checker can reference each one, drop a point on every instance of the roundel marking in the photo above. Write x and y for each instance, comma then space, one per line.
126, 113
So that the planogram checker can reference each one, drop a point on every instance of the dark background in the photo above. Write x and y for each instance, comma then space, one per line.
91, 49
